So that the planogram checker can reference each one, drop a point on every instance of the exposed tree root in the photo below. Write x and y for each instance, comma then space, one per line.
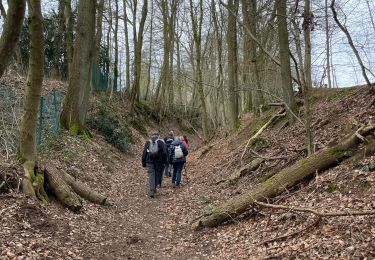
67, 190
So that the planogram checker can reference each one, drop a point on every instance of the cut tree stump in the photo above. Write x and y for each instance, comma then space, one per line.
248, 168
284, 180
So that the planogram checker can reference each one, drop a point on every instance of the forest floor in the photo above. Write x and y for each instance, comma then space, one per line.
135, 226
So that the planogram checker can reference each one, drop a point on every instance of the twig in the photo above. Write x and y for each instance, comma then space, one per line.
318, 213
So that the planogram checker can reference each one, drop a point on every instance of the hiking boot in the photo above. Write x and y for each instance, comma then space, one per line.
151, 193
173, 185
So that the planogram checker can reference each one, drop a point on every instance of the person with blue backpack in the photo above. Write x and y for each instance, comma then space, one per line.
154, 157
177, 157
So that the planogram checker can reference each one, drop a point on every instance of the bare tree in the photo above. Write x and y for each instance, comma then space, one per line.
138, 59
75, 102
350, 41
32, 185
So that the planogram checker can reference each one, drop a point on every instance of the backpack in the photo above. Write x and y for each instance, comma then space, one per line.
178, 154
153, 149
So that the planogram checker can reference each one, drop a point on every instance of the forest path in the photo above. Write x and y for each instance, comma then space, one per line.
139, 227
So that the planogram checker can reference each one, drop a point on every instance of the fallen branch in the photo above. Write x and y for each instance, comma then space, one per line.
252, 166
318, 213
285, 179
273, 118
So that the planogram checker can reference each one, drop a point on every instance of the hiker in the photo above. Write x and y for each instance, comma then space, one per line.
185, 141
177, 156
168, 141
154, 157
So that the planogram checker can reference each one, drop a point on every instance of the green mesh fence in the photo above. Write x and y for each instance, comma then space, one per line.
99, 79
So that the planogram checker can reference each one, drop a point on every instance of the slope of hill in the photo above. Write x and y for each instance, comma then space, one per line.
134, 226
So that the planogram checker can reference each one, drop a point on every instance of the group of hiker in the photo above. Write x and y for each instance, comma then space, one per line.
161, 155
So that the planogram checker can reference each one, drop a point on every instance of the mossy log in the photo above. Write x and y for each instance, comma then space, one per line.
64, 193
248, 168
285, 179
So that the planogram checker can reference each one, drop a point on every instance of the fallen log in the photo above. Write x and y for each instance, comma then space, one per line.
67, 188
64, 193
83, 190
283, 180
248, 168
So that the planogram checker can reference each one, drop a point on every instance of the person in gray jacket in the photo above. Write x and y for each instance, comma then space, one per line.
154, 157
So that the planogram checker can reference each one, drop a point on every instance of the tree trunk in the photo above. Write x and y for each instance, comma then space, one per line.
286, 77
127, 49
74, 107
283, 180
197, 34
68, 33
115, 33
327, 44
34, 84
11, 32
32, 182
307, 23
232, 64
138, 59
99, 33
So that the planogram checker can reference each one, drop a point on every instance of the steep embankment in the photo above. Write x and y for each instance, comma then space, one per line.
137, 227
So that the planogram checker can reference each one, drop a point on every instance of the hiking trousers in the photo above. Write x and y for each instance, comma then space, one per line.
177, 173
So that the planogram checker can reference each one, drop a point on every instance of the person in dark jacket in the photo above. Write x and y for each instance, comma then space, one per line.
177, 156
154, 157
168, 141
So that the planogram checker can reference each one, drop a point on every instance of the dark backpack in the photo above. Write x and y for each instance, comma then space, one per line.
153, 150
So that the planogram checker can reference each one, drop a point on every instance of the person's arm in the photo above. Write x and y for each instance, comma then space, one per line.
144, 154
184, 150
164, 152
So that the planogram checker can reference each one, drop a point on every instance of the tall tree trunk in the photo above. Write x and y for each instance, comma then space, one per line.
150, 53
286, 76
197, 32
138, 59
57, 42
307, 23
220, 72
11, 32
327, 44
127, 49
32, 184
350, 41
68, 16
232, 63
99, 33
115, 69
75, 102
